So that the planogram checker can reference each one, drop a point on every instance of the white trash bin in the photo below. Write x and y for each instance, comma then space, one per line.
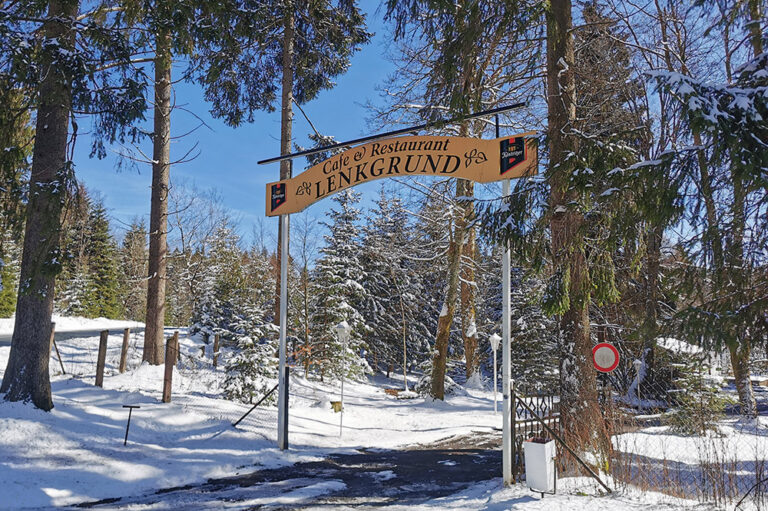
540, 465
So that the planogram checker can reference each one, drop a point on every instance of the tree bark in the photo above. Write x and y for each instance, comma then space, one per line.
440, 354
581, 419
286, 128
755, 30
654, 238
26, 376
468, 288
158, 217
740, 364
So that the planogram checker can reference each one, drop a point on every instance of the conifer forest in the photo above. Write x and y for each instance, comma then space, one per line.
642, 228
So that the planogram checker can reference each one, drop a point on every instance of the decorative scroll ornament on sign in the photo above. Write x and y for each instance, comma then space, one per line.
483, 161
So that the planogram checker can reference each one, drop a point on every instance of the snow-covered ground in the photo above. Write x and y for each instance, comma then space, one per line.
74, 324
75, 453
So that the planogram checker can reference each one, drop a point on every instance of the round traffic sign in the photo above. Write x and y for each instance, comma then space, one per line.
605, 357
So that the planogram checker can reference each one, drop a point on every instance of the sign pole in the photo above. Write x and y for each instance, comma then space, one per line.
507, 433
495, 383
282, 388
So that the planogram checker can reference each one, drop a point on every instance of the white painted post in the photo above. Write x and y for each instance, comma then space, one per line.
506, 362
495, 339
282, 398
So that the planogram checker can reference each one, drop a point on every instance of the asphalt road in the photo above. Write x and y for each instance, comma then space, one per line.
368, 479
5, 339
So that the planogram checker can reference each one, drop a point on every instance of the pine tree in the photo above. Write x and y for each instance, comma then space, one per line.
393, 294
133, 257
103, 296
60, 66
339, 292
9, 273
725, 274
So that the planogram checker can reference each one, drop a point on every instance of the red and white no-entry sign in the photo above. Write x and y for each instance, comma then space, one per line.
605, 357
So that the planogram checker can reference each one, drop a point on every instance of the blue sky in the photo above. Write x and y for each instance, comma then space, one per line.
227, 160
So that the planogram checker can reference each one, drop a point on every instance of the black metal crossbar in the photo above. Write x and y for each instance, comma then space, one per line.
254, 406
401, 131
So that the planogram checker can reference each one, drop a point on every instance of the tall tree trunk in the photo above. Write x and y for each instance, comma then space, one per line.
755, 30
468, 288
440, 354
654, 238
580, 413
740, 352
158, 216
26, 376
286, 125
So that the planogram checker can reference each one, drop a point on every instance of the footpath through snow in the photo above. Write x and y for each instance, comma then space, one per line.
75, 453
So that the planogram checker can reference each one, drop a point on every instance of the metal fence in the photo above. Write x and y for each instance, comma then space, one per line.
680, 441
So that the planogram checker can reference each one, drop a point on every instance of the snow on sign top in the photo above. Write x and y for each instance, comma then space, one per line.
605, 357
483, 161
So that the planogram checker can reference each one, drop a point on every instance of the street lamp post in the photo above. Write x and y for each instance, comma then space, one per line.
342, 332
495, 339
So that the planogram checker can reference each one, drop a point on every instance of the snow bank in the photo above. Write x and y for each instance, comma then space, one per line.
76, 324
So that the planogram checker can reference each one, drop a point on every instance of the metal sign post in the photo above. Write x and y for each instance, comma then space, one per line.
495, 339
479, 160
282, 387
507, 433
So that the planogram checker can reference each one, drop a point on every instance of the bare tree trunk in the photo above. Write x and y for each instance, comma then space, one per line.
158, 216
439, 358
286, 125
580, 413
468, 289
740, 364
26, 376
654, 238
755, 30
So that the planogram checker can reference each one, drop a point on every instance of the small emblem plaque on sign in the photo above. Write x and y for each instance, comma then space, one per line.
278, 195
512, 153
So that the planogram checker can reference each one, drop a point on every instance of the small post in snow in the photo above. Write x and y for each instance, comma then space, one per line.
342, 332
102, 359
53, 342
171, 350
124, 351
127, 426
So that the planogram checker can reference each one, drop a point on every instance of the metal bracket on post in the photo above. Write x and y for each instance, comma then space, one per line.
282, 384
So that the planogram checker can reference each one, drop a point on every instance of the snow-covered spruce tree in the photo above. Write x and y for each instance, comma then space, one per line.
339, 293
72, 284
393, 291
9, 273
103, 296
236, 295
133, 257
534, 334
221, 281
16, 136
725, 271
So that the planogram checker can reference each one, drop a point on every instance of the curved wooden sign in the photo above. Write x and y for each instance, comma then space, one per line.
483, 161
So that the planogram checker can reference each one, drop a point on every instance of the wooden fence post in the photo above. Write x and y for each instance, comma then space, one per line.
171, 350
124, 351
102, 358
215, 350
53, 344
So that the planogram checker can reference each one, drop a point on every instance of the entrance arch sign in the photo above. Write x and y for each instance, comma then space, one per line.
479, 160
